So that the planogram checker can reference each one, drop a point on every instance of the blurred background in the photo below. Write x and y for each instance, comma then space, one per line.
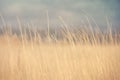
73, 12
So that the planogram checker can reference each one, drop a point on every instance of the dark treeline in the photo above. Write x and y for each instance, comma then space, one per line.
81, 34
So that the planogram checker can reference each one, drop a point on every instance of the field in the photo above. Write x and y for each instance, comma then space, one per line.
86, 55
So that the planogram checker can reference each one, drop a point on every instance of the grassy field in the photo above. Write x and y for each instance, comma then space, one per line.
81, 54
24, 59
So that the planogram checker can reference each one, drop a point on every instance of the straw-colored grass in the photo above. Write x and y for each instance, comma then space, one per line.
23, 59
81, 55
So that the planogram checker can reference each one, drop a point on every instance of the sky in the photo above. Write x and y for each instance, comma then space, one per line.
73, 12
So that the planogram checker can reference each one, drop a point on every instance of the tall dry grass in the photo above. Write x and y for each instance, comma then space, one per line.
82, 54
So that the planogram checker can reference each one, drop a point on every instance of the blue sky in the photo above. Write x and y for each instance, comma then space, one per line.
73, 11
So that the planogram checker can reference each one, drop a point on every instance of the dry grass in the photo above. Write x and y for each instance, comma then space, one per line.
81, 55
57, 61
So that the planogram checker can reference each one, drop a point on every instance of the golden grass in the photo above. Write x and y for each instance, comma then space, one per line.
45, 61
82, 55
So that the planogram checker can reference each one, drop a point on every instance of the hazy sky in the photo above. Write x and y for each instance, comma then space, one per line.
73, 11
